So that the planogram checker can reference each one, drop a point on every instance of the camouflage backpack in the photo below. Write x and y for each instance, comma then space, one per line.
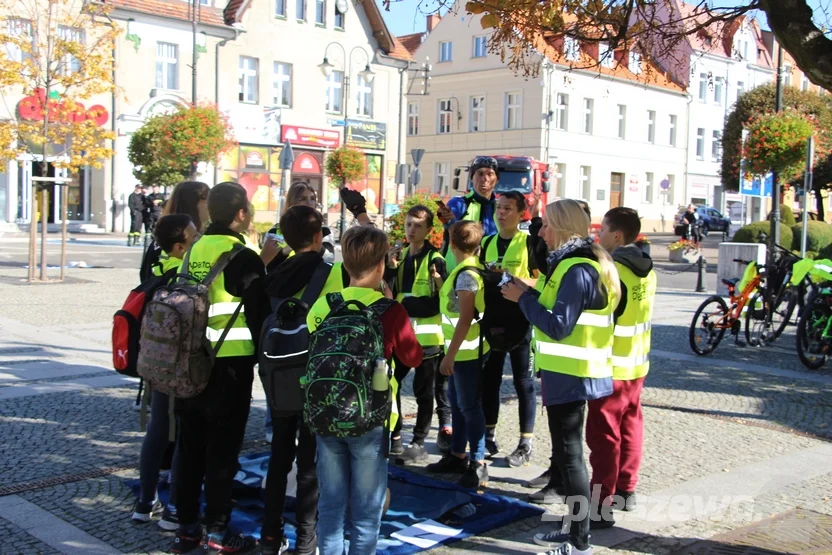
339, 398
175, 355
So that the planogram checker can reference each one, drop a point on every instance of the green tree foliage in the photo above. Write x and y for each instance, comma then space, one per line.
396, 221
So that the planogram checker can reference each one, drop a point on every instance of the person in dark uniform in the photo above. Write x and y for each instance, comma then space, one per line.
135, 203
156, 198
147, 214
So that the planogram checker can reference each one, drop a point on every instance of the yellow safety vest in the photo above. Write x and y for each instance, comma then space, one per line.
470, 348
165, 263
428, 330
334, 282
516, 258
631, 346
204, 254
320, 310
472, 214
587, 351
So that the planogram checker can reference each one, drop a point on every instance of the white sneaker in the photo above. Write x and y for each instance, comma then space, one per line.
565, 548
269, 436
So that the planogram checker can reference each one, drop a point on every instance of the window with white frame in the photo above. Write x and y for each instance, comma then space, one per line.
648, 187
204, 2
480, 47
635, 62
513, 107
441, 177
651, 126
804, 83
718, 89
477, 115
586, 183
571, 49
589, 105
320, 12
334, 91
339, 19
167, 66
412, 118
364, 92
20, 30
249, 83
562, 111
560, 176
703, 87
787, 74
700, 143
446, 51
446, 114
716, 145
672, 141
622, 121
605, 54
669, 192
740, 88
70, 64
282, 85
280, 8
300, 10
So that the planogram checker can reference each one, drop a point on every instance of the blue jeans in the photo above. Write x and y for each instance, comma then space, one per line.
352, 475
466, 409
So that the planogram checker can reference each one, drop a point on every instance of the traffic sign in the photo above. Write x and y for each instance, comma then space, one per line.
336, 122
416, 177
287, 157
665, 184
417, 154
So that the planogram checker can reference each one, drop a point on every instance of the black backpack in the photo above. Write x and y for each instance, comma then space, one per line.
503, 323
284, 346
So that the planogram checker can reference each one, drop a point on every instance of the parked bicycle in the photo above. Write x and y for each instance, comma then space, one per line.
814, 328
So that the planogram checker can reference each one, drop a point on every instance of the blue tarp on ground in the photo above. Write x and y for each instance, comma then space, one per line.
415, 498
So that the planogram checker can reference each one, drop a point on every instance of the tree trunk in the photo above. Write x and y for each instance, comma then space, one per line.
819, 204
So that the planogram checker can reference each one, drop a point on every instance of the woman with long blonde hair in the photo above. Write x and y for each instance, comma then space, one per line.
572, 314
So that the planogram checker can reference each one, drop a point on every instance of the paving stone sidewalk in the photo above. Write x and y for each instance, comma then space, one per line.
70, 438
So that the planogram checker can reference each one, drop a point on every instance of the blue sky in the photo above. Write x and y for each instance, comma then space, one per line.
408, 16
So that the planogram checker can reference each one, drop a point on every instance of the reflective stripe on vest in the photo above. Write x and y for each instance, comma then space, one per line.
516, 258
632, 335
470, 348
428, 330
204, 254
587, 351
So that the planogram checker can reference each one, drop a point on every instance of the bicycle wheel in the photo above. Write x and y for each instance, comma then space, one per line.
708, 325
812, 346
783, 309
757, 320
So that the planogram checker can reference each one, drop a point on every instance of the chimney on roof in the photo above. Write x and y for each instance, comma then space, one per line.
433, 21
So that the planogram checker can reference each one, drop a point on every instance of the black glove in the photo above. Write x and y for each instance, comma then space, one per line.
534, 226
354, 201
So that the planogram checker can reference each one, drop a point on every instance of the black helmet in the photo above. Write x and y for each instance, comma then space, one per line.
484, 162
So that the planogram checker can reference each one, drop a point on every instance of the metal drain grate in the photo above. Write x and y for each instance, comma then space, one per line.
798, 532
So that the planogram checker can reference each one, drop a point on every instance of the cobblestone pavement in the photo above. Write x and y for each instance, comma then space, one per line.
748, 419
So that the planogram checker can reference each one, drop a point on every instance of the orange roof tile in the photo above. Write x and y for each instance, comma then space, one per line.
412, 42
175, 9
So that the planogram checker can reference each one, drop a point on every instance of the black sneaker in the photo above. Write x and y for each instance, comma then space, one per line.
547, 496
551, 539
443, 440
491, 448
601, 518
449, 464
475, 477
224, 541
540, 481
624, 501
520, 456
186, 542
143, 512
273, 546
396, 447
414, 453
170, 520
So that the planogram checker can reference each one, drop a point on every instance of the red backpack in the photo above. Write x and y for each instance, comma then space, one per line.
127, 324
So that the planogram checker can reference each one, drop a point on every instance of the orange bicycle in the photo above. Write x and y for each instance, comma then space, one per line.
714, 316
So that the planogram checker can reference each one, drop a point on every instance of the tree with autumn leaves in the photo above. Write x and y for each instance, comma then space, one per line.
168, 147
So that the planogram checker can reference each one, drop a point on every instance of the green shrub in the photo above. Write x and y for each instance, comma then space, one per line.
786, 216
825, 252
818, 235
751, 233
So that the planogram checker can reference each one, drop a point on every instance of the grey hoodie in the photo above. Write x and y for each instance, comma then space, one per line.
636, 260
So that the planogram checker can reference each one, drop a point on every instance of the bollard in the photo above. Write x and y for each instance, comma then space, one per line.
700, 280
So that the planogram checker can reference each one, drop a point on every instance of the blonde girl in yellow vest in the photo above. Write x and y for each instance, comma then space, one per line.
572, 314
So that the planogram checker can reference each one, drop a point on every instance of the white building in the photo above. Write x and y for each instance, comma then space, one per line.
613, 135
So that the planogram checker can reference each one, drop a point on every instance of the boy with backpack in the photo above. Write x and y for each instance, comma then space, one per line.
302, 278
212, 423
175, 234
462, 300
354, 335
419, 274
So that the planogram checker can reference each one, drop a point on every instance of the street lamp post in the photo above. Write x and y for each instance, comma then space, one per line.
367, 75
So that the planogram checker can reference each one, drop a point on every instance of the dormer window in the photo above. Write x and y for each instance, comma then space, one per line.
605, 55
571, 49
634, 63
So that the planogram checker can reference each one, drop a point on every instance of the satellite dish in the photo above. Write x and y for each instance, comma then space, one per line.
342, 6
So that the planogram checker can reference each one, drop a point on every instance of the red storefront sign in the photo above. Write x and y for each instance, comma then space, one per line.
306, 163
307, 136
34, 107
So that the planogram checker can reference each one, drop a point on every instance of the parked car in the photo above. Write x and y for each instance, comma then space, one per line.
709, 219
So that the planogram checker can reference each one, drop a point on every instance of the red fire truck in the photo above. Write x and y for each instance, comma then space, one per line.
523, 174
